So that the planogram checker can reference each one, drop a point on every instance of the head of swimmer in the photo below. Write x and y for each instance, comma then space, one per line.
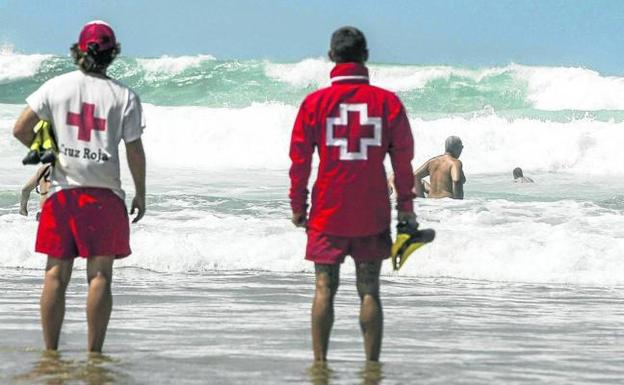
517, 173
453, 146
348, 45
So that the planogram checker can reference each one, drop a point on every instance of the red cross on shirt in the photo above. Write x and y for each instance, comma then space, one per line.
86, 122
354, 131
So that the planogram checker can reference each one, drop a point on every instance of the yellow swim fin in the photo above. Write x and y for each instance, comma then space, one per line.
408, 240
33, 155
46, 135
43, 147
48, 155
37, 142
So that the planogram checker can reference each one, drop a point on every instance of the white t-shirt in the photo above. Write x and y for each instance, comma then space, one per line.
90, 115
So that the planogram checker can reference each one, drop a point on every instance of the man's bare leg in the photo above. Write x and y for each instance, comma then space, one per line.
371, 314
327, 281
52, 304
99, 300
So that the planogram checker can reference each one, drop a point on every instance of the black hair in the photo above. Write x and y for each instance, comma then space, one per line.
348, 44
94, 60
517, 173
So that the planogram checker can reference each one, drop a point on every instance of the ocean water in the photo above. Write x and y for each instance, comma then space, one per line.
524, 284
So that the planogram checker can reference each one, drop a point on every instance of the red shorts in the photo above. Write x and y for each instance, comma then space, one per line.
329, 249
84, 222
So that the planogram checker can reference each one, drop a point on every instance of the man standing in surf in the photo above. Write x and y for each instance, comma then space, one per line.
353, 125
446, 173
85, 214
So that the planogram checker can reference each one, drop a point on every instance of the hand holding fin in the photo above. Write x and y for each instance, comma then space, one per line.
408, 240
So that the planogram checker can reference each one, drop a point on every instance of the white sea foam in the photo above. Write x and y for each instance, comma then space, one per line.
308, 72
394, 77
498, 240
257, 137
563, 241
406, 78
173, 64
549, 88
493, 144
561, 88
11, 151
14, 66
184, 240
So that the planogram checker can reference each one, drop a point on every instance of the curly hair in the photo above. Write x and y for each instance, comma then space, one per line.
94, 60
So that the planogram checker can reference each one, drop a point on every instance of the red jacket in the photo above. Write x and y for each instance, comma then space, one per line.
353, 125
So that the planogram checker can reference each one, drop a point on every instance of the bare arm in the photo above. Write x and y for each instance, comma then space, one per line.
420, 173
391, 184
457, 174
136, 163
401, 150
23, 129
302, 145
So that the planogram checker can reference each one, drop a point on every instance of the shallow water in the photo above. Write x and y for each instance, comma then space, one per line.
524, 283
253, 327
559, 230
217, 291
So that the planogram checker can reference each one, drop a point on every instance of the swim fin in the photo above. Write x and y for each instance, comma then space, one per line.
43, 147
31, 158
48, 155
408, 240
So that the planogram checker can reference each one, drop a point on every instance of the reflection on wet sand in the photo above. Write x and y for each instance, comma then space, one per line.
372, 373
321, 374
51, 369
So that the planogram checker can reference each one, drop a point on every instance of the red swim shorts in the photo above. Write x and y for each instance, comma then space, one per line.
84, 222
329, 249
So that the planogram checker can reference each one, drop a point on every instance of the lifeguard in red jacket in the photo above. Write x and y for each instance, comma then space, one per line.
352, 125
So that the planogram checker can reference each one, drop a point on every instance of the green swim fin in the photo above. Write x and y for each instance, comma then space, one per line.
408, 240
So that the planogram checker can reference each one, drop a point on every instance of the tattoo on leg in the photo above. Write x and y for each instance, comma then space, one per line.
332, 272
368, 278
371, 314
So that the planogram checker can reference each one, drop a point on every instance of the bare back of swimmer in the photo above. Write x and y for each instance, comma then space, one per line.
446, 175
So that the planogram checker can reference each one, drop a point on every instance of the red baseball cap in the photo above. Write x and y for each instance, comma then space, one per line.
98, 32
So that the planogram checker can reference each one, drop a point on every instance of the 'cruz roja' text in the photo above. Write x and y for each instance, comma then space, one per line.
85, 153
